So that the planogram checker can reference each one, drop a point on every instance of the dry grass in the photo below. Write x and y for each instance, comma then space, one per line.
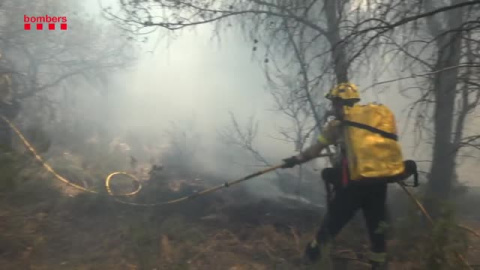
42, 229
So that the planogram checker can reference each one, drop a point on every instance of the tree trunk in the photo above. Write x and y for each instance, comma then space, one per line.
445, 83
445, 86
338, 48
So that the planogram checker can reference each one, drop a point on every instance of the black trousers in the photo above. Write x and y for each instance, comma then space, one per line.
371, 198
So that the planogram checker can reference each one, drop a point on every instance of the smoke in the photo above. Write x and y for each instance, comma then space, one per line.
178, 96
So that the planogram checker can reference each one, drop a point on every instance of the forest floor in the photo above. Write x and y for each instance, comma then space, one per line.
43, 227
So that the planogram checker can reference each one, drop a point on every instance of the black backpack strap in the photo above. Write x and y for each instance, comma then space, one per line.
371, 129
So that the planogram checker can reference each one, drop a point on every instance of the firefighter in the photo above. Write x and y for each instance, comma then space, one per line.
349, 197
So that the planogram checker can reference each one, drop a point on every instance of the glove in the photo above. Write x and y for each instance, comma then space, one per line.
290, 162
312, 251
